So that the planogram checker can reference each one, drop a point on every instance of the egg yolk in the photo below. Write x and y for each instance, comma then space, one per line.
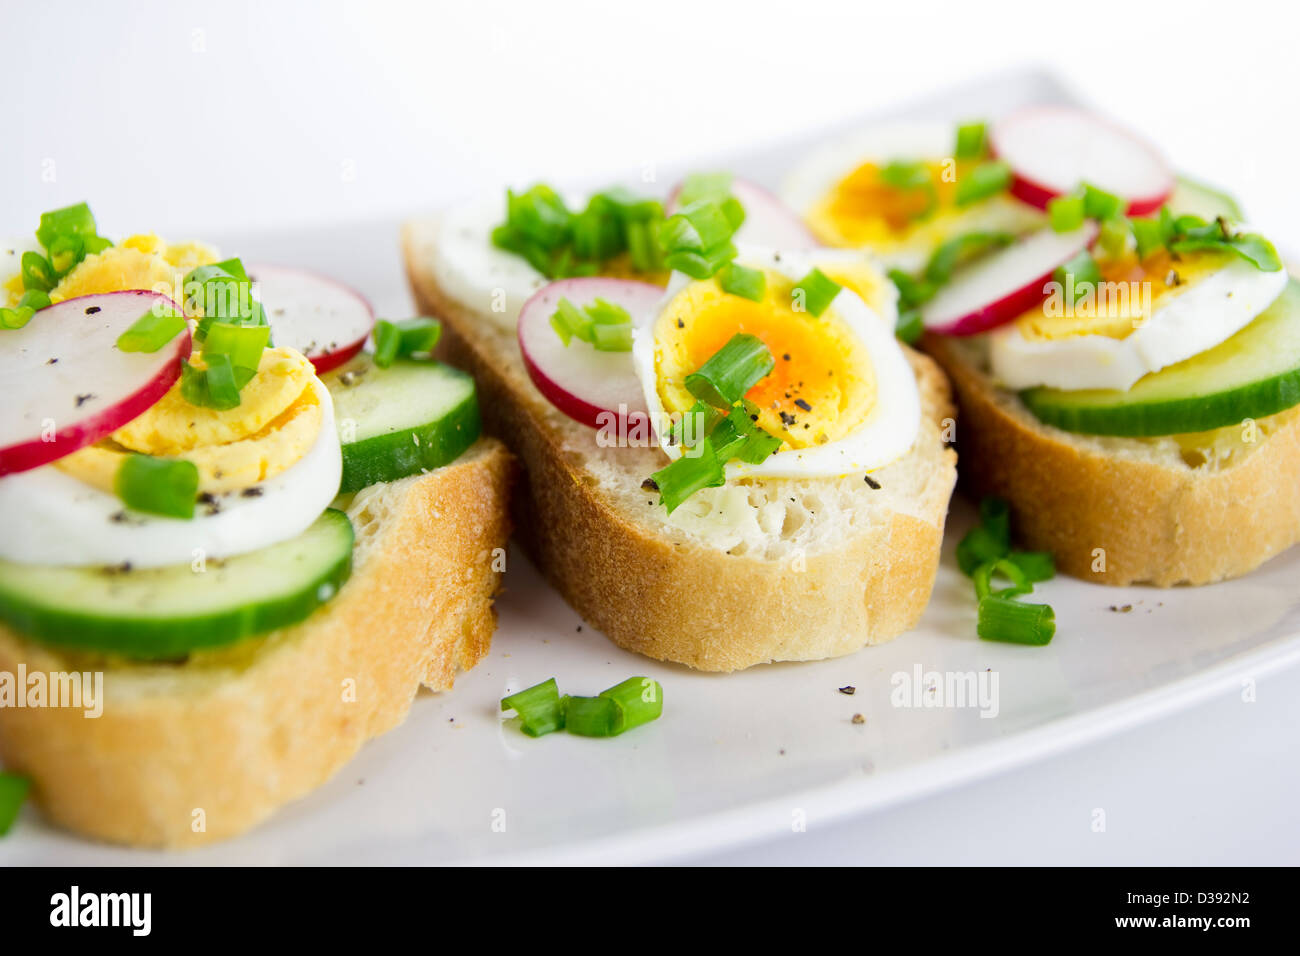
139, 262
222, 467
862, 208
1131, 290
822, 386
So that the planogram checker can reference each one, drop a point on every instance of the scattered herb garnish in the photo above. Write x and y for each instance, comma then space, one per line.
603, 325
985, 553
629, 704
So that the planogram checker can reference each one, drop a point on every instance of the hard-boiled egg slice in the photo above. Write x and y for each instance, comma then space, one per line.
1142, 317
50, 517
842, 396
839, 192
470, 269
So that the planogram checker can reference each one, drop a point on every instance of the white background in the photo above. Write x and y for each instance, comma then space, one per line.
195, 120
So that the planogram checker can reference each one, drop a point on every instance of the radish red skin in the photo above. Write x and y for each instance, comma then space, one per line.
1007, 307
580, 411
632, 295
998, 312
1037, 194
1028, 191
26, 455
322, 361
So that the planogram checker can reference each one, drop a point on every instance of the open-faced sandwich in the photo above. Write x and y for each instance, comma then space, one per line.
729, 457
243, 540
1124, 350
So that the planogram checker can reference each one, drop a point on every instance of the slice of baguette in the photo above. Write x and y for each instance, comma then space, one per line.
797, 570
225, 738
1162, 511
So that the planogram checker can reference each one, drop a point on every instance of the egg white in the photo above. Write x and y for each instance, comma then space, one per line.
1207, 312
887, 433
474, 272
822, 170
52, 518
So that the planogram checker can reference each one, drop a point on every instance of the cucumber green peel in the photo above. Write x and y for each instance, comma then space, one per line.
166, 613
1253, 374
411, 417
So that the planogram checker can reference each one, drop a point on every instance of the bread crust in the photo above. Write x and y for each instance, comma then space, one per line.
1117, 519
667, 599
238, 737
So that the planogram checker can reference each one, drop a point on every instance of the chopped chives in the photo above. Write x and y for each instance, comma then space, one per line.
979, 546
909, 327
1079, 274
694, 471
958, 250
194, 385
75, 220
732, 371
37, 273
639, 700
29, 303
611, 338
743, 281
161, 486
96, 244
986, 179
983, 578
388, 340
814, 292
539, 708
590, 716
697, 186
65, 252
34, 299
1149, 236
970, 141
905, 174
701, 418
1099, 204
1113, 237
1035, 565
152, 330
709, 226
1014, 622
604, 325
16, 317
995, 514
1066, 213
223, 388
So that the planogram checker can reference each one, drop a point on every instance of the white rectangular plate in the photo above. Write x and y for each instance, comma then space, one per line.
735, 757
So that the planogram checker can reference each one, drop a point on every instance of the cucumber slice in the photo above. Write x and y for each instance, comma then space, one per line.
165, 613
397, 421
1197, 199
1254, 373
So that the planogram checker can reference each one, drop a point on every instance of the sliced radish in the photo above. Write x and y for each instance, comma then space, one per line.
67, 383
768, 221
1000, 286
1052, 149
323, 319
586, 384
